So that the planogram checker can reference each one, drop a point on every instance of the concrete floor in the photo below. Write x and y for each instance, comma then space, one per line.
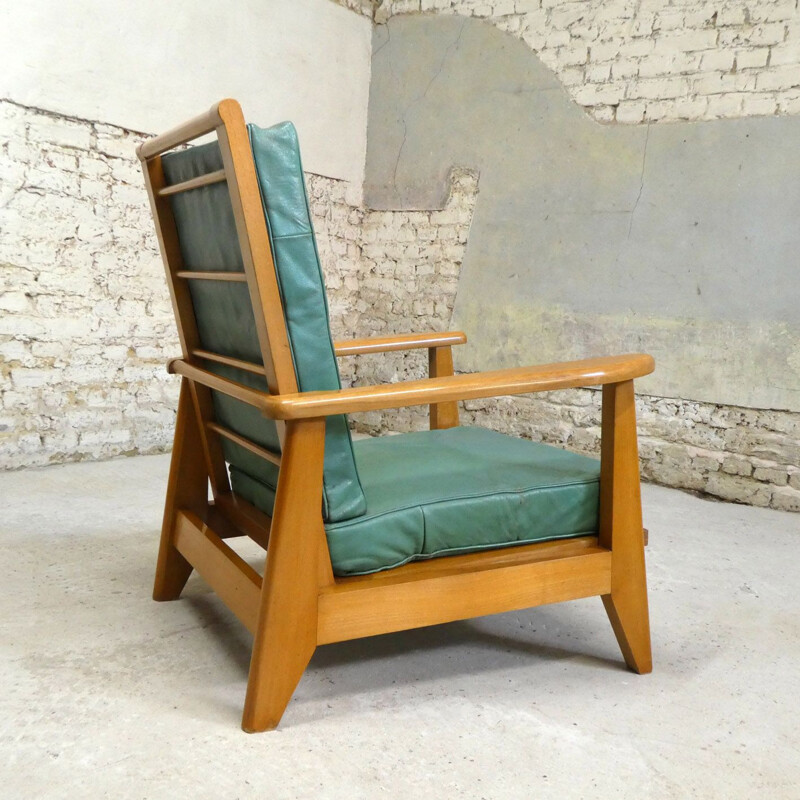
108, 694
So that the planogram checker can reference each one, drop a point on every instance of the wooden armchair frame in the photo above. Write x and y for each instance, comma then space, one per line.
299, 603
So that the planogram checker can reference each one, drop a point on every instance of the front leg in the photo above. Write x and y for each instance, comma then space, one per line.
621, 527
286, 635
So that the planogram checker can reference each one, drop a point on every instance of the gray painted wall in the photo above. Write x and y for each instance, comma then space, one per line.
679, 239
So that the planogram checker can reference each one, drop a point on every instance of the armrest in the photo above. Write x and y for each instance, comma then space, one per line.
521, 380
403, 341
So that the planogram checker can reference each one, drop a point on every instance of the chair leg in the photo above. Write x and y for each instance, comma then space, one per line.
621, 527
628, 614
187, 489
286, 636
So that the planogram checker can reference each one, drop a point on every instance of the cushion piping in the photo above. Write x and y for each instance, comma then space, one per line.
358, 520
472, 548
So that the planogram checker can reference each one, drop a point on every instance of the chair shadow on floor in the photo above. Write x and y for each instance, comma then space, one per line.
451, 651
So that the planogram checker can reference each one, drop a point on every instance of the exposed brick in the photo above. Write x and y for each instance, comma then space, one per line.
777, 475
738, 489
737, 466
638, 50
752, 59
786, 498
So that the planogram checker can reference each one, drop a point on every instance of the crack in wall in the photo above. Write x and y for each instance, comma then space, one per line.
451, 48
641, 180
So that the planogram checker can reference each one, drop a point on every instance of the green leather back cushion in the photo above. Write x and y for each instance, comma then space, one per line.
225, 320
435, 493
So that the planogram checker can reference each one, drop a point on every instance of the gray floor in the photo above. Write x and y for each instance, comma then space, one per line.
108, 694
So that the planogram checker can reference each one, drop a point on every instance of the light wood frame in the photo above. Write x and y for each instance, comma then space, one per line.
298, 603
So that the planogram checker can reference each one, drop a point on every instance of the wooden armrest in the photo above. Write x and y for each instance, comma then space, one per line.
403, 341
521, 380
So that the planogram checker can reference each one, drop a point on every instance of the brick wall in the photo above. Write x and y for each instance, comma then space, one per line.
632, 61
86, 323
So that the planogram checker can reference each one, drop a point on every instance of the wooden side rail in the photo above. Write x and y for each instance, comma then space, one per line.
232, 578
520, 380
198, 126
440, 362
410, 341
177, 366
487, 585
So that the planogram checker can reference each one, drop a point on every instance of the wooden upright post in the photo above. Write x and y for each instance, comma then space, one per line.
286, 636
621, 526
187, 490
440, 364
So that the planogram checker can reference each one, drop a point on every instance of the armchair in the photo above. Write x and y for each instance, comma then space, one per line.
368, 537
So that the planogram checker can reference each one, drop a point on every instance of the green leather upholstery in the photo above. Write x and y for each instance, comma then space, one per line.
435, 493
424, 494
224, 314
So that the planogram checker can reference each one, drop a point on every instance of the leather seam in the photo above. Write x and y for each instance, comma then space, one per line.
337, 526
292, 236
467, 549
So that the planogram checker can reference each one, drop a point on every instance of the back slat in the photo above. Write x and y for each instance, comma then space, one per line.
227, 322
194, 183
242, 246
183, 306
209, 275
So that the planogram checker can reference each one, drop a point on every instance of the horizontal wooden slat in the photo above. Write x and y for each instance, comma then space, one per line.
229, 575
247, 366
371, 605
385, 344
232, 436
220, 523
194, 183
177, 366
246, 517
195, 127
198, 275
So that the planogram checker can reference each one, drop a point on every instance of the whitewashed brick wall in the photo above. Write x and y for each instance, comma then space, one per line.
632, 61
86, 323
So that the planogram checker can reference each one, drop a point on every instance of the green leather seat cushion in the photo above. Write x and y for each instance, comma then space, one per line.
435, 493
